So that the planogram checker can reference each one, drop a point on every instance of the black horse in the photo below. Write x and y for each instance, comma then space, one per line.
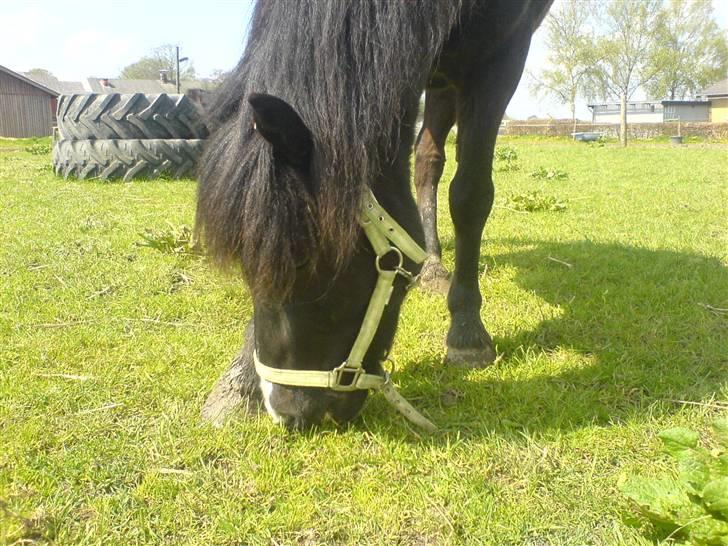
321, 108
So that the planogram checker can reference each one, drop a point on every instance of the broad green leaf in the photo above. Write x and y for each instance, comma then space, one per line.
678, 440
709, 531
661, 500
693, 472
715, 496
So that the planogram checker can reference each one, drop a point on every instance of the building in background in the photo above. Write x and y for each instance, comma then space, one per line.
653, 111
27, 108
717, 94
637, 112
686, 110
51, 82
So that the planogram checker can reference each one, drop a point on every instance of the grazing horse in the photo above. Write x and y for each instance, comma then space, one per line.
313, 127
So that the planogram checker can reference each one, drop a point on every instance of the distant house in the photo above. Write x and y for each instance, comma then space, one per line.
637, 112
152, 87
114, 85
108, 85
717, 94
51, 82
27, 108
686, 110
652, 111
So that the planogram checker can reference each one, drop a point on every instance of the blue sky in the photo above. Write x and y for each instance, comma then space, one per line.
75, 39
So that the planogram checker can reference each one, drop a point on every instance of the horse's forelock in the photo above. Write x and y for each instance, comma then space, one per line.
346, 67
254, 215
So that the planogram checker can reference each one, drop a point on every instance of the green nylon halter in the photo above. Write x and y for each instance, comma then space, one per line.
386, 236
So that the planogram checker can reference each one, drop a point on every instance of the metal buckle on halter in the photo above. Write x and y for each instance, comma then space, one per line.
412, 280
339, 373
398, 254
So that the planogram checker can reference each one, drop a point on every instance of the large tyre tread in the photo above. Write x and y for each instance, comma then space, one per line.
129, 116
126, 159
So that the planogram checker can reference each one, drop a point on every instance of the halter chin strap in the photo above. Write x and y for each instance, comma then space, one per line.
386, 237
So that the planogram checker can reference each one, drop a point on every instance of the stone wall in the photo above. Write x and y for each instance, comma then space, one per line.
635, 130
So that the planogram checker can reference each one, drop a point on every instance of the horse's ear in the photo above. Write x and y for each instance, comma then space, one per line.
279, 124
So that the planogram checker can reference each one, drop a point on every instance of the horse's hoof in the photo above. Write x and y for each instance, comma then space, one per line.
470, 358
219, 409
434, 277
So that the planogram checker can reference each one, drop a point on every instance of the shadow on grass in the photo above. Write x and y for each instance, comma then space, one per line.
633, 338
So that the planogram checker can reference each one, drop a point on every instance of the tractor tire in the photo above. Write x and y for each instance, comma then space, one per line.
133, 116
126, 159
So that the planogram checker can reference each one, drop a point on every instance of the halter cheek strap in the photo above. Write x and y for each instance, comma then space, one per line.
386, 237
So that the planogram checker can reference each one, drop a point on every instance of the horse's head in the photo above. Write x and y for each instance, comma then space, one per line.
273, 210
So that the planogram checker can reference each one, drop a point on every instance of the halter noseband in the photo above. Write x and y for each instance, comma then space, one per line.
386, 236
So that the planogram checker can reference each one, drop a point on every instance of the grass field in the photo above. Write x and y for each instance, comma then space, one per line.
606, 316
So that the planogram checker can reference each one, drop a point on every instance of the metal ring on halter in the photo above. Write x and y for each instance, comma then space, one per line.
398, 267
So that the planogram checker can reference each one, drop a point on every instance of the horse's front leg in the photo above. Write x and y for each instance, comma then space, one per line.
439, 118
238, 387
481, 104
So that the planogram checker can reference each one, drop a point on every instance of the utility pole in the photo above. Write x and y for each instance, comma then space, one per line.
183, 59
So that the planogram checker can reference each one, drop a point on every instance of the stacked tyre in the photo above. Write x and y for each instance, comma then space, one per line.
127, 136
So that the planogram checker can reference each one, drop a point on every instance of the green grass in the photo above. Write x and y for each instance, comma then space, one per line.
601, 312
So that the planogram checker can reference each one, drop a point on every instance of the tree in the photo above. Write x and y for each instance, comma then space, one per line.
218, 76
214, 80
568, 39
41, 74
693, 51
624, 55
160, 58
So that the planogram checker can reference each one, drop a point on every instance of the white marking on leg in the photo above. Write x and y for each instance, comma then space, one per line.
266, 388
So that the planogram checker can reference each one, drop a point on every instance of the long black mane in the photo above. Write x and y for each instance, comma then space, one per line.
350, 68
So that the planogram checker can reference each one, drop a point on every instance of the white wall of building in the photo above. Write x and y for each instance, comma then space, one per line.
651, 117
